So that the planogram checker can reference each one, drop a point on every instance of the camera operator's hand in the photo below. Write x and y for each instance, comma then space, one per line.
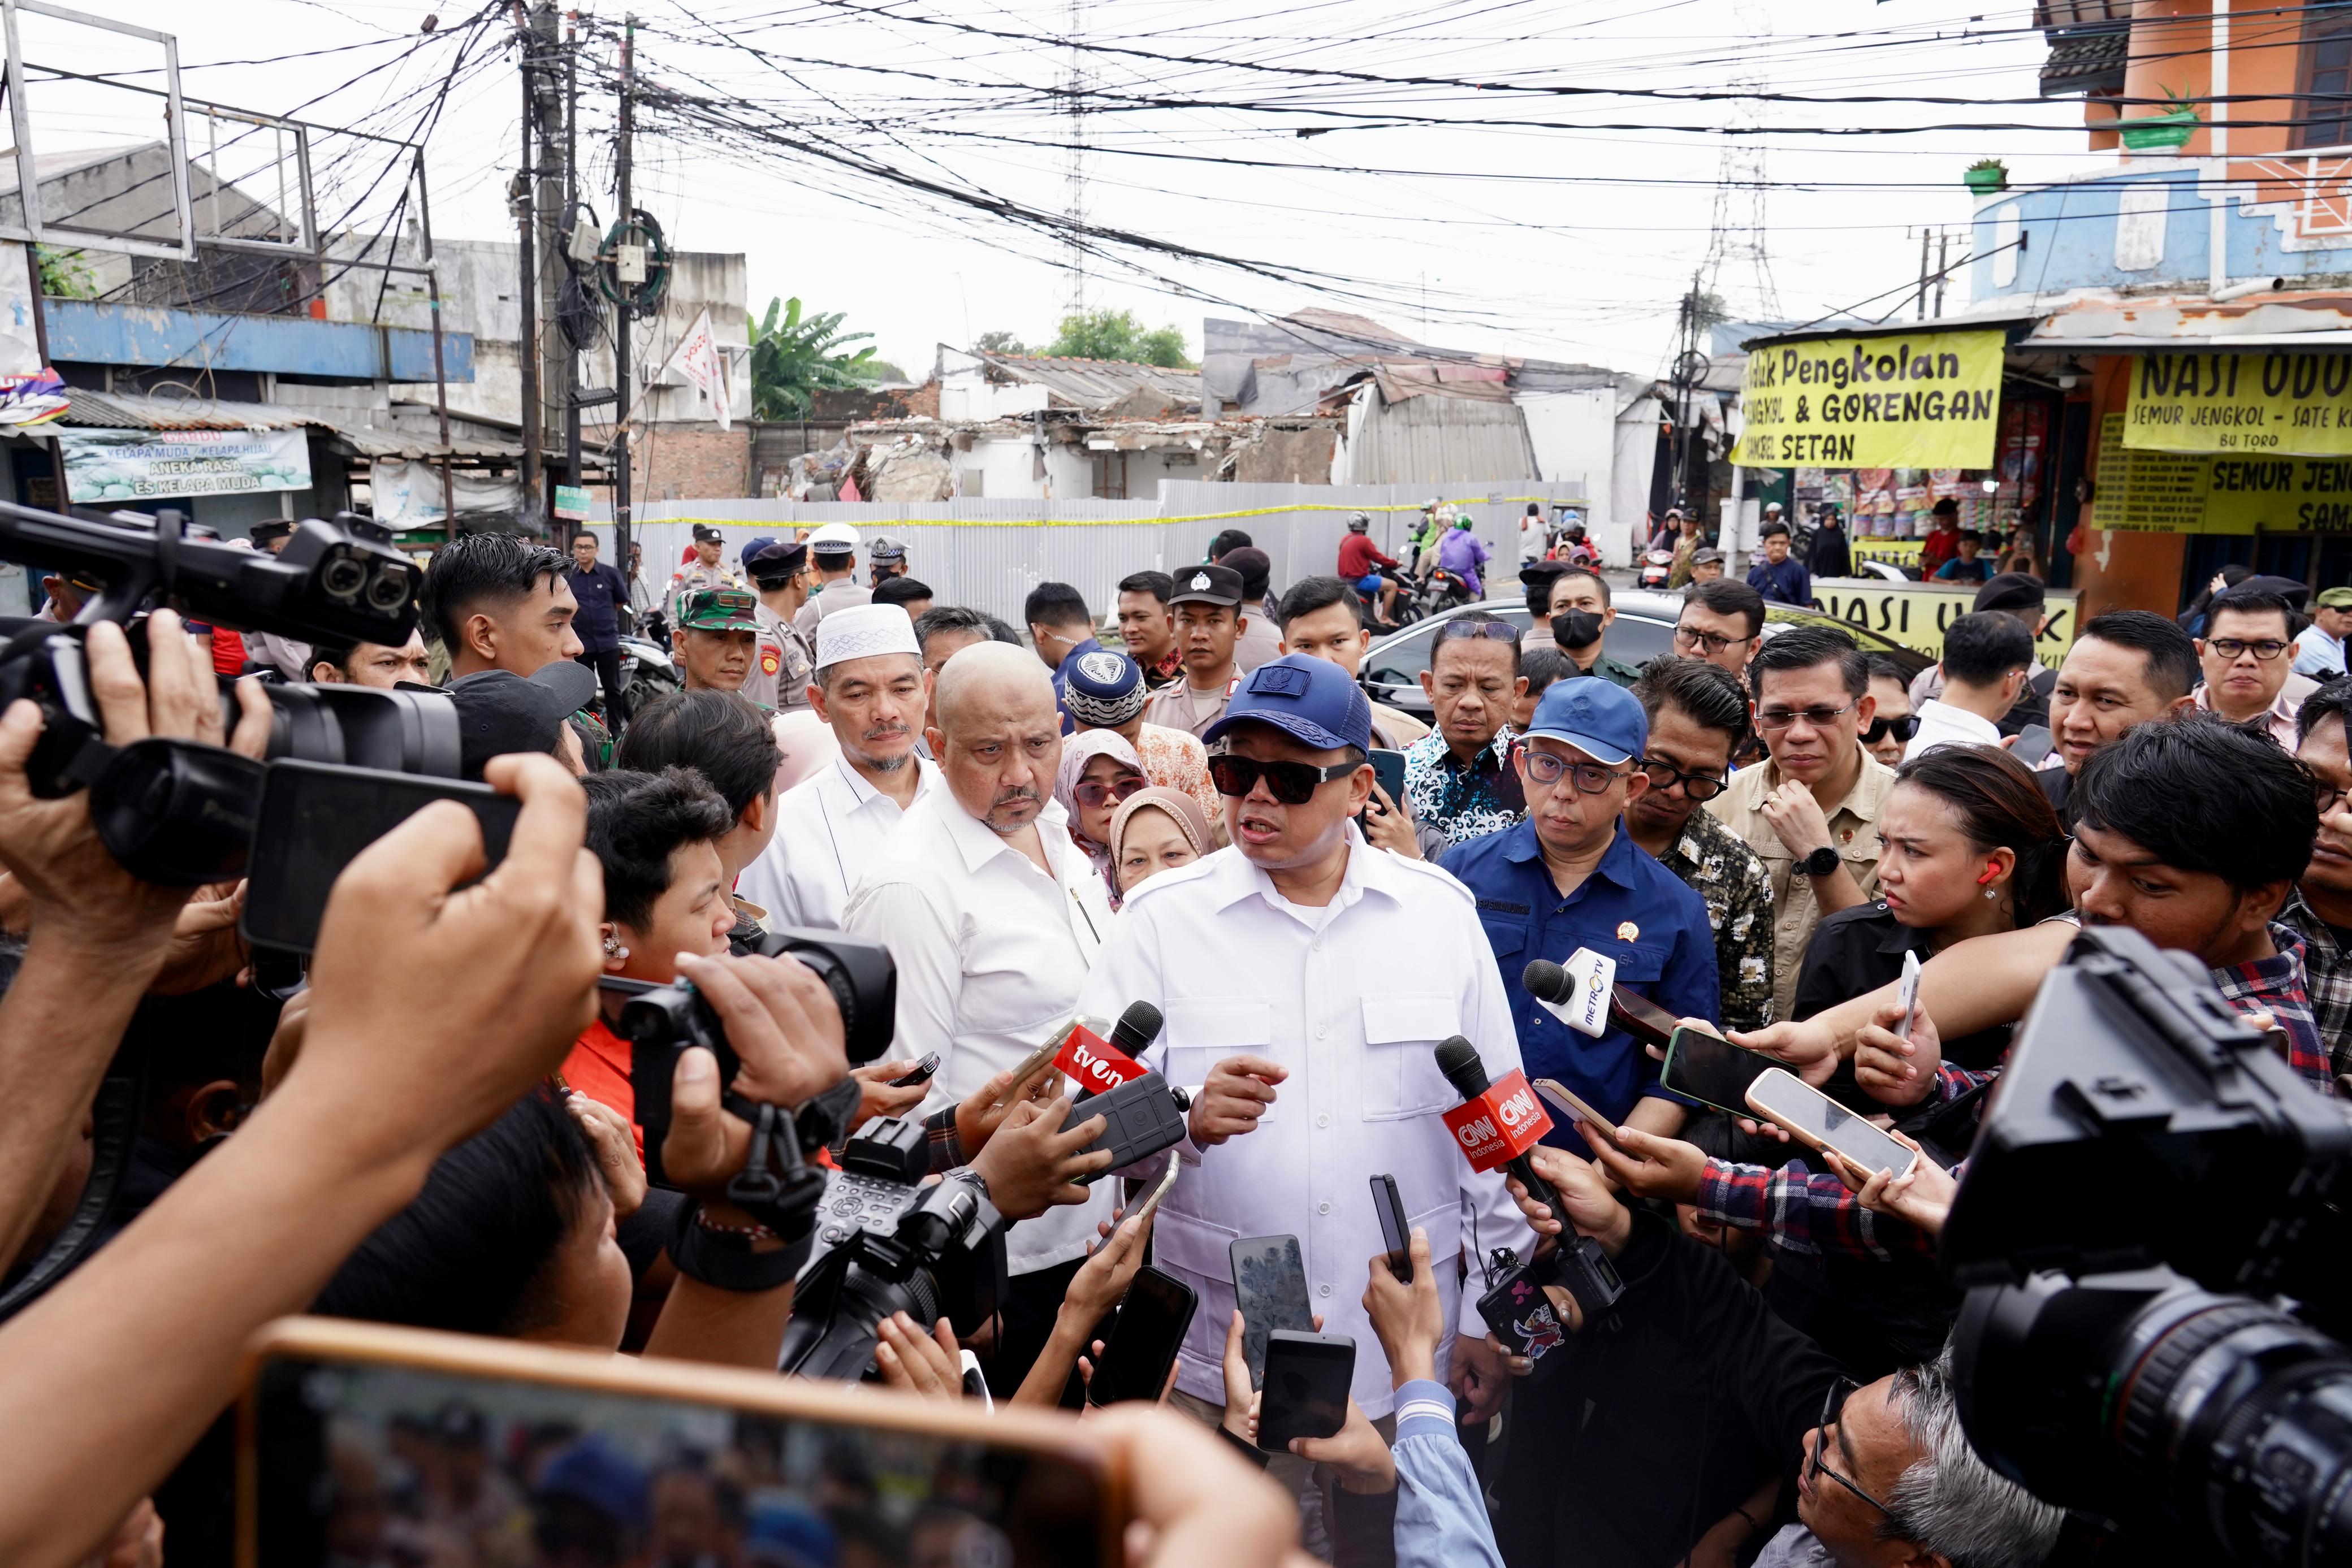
780, 1020
1408, 1320
1648, 1165
1921, 1196
878, 1097
615, 1146
1238, 1091
52, 848
1892, 1070
924, 1364
1033, 1164
1363, 1462
206, 947
1591, 1206
982, 1113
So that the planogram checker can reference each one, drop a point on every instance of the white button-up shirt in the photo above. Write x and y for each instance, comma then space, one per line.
991, 952
1942, 725
1353, 1000
828, 828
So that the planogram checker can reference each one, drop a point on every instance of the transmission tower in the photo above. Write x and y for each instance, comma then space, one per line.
1737, 238
1075, 209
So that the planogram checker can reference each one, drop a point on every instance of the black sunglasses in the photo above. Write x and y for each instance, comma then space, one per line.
1902, 729
1292, 783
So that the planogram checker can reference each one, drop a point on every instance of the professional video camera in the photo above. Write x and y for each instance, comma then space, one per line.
172, 810
662, 1020
2141, 1127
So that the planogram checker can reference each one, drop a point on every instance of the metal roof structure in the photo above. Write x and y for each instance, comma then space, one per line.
1101, 383
123, 410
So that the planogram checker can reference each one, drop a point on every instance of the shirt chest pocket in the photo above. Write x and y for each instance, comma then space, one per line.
1638, 963
1402, 1033
1205, 1030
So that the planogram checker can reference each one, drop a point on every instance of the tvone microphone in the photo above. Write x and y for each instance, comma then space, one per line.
1506, 1123
1138, 1027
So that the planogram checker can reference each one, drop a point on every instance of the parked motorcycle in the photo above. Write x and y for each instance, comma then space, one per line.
1658, 565
648, 671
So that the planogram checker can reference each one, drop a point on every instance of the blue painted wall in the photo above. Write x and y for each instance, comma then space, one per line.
95, 332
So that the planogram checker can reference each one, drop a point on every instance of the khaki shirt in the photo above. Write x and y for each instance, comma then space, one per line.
781, 662
1854, 833
1399, 728
841, 594
1181, 707
698, 576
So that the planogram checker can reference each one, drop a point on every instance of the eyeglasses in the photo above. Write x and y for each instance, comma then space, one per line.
2327, 797
1664, 775
1292, 783
1902, 729
1547, 766
1780, 718
1094, 794
2269, 648
1688, 637
1841, 1390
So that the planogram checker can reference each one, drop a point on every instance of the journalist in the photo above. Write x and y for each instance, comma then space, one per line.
372, 663
498, 602
727, 741
501, 712
1721, 621
2321, 909
1987, 657
2127, 667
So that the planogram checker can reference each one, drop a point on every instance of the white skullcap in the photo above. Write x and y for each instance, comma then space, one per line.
863, 631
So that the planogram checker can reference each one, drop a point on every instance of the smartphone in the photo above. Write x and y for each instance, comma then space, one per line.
1395, 1234
1387, 772
2032, 744
1816, 1119
1051, 1048
1308, 1376
1908, 993
335, 1418
314, 820
1705, 1067
922, 1074
1144, 1339
1167, 1181
1270, 1290
1565, 1102
1639, 1017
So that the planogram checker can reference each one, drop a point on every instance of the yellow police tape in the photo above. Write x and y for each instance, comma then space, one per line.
1098, 522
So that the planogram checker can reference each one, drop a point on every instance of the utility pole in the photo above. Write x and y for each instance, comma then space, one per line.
1943, 267
571, 207
527, 283
1919, 305
622, 327
551, 348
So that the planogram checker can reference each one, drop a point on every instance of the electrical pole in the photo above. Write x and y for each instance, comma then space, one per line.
571, 207
621, 316
551, 348
1943, 266
527, 284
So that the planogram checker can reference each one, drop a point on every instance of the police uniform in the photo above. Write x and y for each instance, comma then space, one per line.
1178, 705
782, 663
833, 596
698, 576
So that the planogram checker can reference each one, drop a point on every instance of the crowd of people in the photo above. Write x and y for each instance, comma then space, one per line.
1184, 798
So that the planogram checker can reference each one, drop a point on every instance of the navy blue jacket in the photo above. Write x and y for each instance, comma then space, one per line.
602, 594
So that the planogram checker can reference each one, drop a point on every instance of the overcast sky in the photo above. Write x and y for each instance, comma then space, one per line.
1554, 239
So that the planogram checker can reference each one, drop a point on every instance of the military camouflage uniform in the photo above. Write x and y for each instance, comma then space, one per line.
1718, 865
728, 608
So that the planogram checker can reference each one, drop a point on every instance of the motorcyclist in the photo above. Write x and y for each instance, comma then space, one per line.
1424, 538
1460, 553
1359, 558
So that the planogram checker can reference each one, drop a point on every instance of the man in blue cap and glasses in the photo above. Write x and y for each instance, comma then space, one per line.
1568, 876
1306, 980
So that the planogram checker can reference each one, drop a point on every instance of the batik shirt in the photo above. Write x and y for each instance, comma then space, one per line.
1464, 801
1722, 870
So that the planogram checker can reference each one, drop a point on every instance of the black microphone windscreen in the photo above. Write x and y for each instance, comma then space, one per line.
1459, 1061
1138, 1027
1546, 980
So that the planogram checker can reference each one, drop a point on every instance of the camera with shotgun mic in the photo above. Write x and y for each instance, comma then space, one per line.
1142, 1112
1497, 1123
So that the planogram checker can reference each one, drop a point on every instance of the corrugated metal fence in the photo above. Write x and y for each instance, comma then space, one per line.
990, 553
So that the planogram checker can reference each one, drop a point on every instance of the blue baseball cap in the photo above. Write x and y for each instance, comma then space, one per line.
1599, 719
1313, 700
753, 547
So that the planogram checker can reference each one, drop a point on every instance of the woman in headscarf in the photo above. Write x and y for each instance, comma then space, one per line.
1153, 831
1099, 770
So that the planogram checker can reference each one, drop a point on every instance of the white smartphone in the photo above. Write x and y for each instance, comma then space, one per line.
1821, 1122
1565, 1101
1151, 1204
1908, 994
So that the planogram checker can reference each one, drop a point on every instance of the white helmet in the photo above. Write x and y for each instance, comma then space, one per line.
1358, 522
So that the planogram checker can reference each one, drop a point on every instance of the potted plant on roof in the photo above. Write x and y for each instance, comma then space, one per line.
2167, 132
1985, 176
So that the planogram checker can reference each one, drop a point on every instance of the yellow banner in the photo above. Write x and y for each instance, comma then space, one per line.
1916, 613
2152, 492
2285, 402
1905, 399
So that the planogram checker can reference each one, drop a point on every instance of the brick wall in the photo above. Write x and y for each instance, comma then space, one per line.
670, 464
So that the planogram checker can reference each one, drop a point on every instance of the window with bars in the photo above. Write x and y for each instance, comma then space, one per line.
1110, 475
2324, 118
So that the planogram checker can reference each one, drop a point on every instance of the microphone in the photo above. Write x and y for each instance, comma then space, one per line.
1496, 1124
1577, 992
1138, 1027
1095, 1065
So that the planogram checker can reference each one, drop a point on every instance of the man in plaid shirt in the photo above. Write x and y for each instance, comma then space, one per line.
2321, 909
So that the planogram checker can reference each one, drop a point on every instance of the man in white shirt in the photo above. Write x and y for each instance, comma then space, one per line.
1275, 965
2319, 647
1988, 659
993, 918
869, 687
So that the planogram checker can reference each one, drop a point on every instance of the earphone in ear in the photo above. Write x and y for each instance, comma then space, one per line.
1992, 870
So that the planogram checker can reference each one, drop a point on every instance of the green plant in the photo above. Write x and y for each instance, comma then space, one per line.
65, 275
1988, 166
1117, 335
793, 357
999, 343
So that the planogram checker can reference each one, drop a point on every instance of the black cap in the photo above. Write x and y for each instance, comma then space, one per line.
275, 529
2286, 588
1255, 567
704, 534
2011, 590
1536, 573
1207, 585
777, 564
500, 712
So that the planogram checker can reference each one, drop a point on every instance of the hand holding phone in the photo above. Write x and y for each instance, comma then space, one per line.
1270, 1289
1144, 1339
1396, 1235
1565, 1102
1305, 1388
1710, 1069
1908, 993
922, 1075
1821, 1122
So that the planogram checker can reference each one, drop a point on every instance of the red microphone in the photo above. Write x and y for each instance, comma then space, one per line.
1498, 1121
1097, 1065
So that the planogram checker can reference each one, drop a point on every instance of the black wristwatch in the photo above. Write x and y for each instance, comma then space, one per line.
1820, 862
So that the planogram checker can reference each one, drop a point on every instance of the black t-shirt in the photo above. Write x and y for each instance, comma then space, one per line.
1859, 949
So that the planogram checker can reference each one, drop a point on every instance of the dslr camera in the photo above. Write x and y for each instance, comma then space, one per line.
2152, 1228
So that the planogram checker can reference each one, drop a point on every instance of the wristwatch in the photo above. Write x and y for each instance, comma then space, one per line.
1820, 862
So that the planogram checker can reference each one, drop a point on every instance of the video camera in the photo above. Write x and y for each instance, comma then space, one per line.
2147, 1151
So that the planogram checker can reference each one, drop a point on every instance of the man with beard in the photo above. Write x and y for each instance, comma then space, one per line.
993, 917
869, 685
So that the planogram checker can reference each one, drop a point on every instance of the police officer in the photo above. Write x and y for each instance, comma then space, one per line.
888, 558
832, 554
781, 659
716, 638
708, 570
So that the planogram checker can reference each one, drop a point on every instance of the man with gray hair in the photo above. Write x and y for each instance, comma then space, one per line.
993, 917
870, 688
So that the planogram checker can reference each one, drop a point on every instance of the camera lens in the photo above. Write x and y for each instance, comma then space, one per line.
343, 575
388, 589
861, 976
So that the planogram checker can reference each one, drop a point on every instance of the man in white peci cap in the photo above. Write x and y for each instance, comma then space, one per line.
870, 688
